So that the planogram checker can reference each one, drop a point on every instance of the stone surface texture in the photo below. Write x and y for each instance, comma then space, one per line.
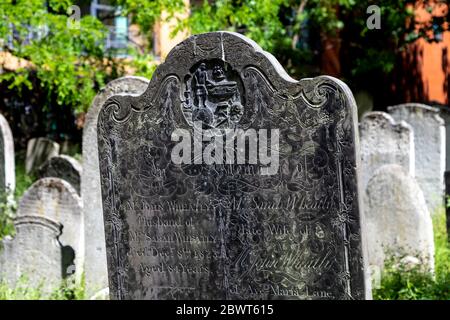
39, 150
383, 141
399, 224
429, 143
96, 273
230, 231
56, 200
7, 164
63, 167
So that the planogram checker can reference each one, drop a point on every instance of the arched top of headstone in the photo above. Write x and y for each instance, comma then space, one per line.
129, 85
7, 164
418, 108
63, 167
49, 193
42, 221
224, 60
382, 119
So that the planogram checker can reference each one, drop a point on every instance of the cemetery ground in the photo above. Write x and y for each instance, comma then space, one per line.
396, 284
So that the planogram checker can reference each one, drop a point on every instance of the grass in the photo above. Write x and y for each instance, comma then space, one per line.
401, 284
8, 204
23, 291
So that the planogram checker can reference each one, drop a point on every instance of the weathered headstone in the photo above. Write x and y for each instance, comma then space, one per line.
398, 222
34, 257
56, 200
96, 273
63, 167
39, 150
383, 141
429, 142
7, 165
230, 222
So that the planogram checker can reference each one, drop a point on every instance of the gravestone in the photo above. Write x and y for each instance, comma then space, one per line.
398, 222
383, 141
39, 150
429, 142
56, 200
34, 257
63, 167
7, 164
228, 220
96, 273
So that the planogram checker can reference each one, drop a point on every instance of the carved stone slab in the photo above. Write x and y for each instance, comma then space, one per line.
39, 150
63, 167
429, 142
96, 273
56, 200
7, 164
383, 141
34, 254
232, 231
399, 224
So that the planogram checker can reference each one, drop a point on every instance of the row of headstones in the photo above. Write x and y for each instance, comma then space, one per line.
57, 230
59, 220
403, 164
47, 247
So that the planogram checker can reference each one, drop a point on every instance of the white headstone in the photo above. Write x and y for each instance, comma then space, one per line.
57, 200
397, 219
7, 166
96, 273
429, 141
39, 150
34, 255
383, 141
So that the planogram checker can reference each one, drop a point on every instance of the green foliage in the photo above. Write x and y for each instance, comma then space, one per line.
401, 284
8, 202
147, 13
23, 180
67, 60
7, 210
68, 290
279, 26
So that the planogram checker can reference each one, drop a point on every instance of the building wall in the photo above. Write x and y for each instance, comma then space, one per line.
434, 64
163, 41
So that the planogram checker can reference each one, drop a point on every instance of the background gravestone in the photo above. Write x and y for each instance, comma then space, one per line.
7, 165
429, 142
63, 167
96, 273
34, 257
383, 141
39, 150
57, 200
226, 231
398, 221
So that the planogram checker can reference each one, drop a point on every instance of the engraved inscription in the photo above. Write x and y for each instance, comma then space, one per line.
226, 231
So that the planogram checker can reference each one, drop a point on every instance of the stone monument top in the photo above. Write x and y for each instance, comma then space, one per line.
227, 179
